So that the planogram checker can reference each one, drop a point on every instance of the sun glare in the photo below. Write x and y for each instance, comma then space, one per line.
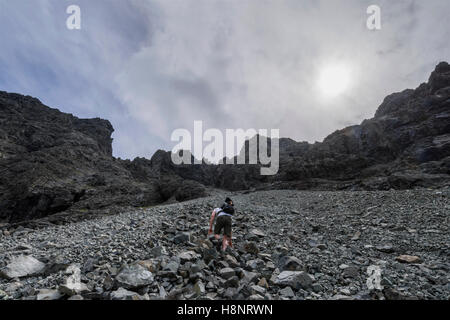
334, 80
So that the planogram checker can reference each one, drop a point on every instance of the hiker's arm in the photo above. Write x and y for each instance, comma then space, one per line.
211, 221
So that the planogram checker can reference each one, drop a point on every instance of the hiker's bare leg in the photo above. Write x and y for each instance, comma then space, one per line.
211, 221
224, 243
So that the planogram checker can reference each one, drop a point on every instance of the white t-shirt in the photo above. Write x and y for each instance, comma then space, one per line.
221, 213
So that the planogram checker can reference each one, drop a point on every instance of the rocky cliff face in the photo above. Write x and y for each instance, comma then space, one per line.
51, 161
406, 144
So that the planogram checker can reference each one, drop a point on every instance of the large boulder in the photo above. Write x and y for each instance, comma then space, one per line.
294, 279
22, 266
289, 263
134, 276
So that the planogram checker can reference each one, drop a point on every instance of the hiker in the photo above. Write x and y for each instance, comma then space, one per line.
223, 217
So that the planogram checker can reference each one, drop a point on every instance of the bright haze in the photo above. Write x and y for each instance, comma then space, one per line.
306, 67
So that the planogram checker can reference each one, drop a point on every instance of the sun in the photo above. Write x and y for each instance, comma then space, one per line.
334, 80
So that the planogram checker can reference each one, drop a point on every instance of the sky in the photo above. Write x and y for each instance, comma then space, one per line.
153, 66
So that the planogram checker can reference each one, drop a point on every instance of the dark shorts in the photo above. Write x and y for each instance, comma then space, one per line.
223, 222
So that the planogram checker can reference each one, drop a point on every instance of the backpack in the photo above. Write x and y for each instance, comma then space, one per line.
229, 209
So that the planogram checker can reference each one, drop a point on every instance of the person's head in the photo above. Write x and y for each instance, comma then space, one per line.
229, 201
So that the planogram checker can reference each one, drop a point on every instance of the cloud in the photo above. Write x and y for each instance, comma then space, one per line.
153, 66
254, 64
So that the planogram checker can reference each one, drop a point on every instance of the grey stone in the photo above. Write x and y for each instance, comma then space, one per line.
287, 292
289, 263
181, 237
256, 289
188, 256
251, 247
255, 264
249, 276
134, 276
22, 266
172, 266
209, 255
294, 279
226, 273
123, 294
199, 288
232, 282
48, 294
386, 248
350, 272
156, 252
258, 233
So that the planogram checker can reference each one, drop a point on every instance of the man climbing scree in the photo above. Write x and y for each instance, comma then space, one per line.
223, 216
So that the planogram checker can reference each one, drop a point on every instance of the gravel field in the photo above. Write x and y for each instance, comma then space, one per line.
287, 245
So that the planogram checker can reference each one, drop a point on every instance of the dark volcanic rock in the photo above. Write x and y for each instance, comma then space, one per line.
51, 161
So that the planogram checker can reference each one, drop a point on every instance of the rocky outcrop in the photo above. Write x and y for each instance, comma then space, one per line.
51, 161
409, 135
